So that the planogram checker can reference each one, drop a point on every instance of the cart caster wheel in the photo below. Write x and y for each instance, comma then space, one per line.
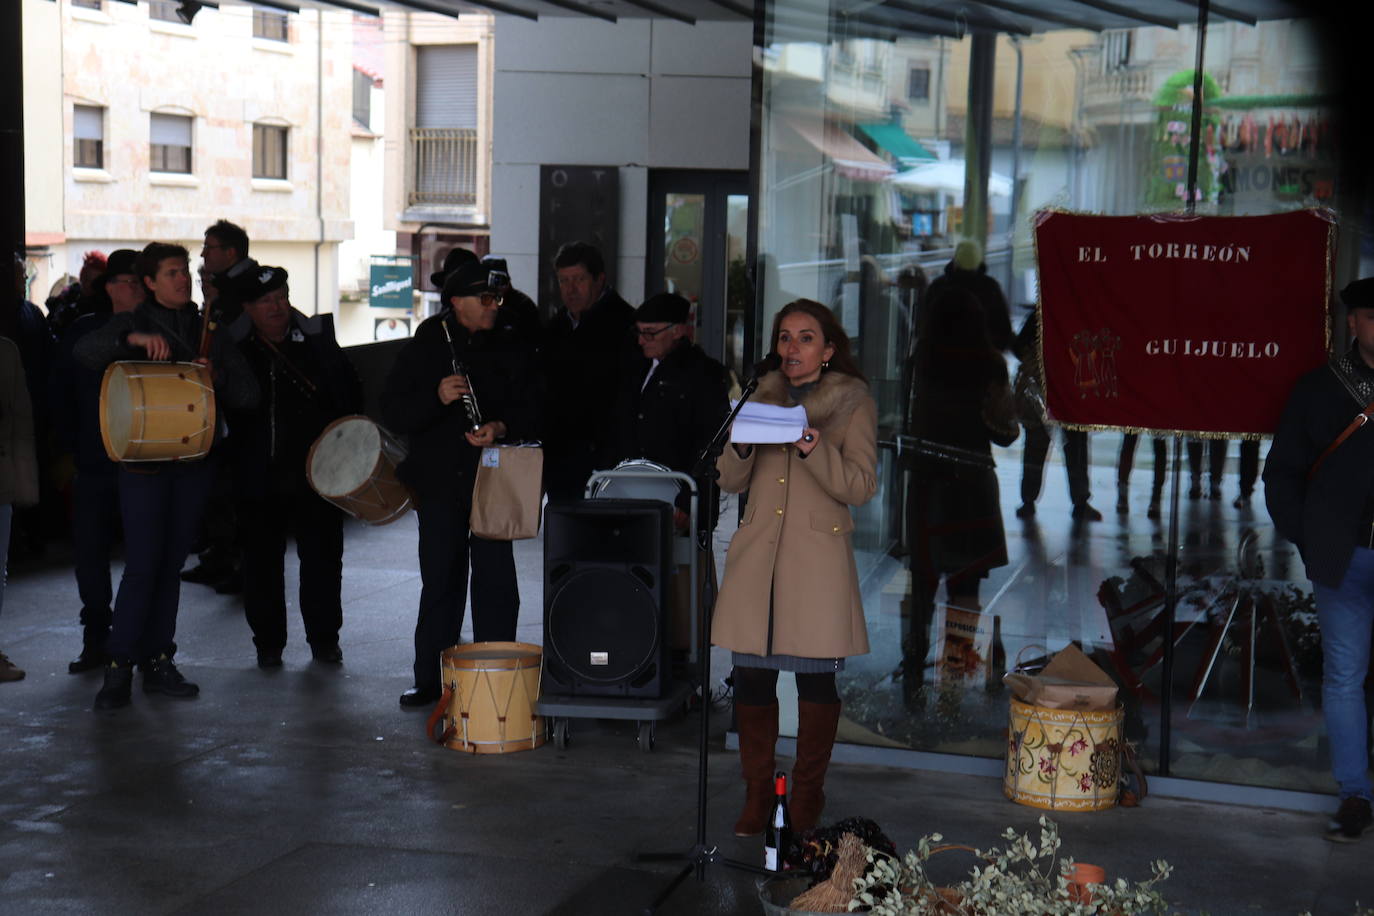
560, 734
646, 736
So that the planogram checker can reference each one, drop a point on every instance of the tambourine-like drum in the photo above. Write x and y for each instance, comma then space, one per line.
490, 691
157, 411
353, 465
1063, 759
664, 489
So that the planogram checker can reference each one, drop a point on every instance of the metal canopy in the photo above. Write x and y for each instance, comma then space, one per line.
870, 18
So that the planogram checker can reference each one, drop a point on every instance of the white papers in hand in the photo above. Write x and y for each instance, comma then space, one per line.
765, 424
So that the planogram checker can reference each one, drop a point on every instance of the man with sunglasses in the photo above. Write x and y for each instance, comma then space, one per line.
458, 355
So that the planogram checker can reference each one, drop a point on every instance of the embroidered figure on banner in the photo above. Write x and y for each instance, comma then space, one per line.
1094, 362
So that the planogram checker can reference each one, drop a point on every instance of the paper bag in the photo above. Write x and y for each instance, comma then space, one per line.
1069, 681
507, 496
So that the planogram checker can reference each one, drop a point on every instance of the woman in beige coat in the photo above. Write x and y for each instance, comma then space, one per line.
790, 600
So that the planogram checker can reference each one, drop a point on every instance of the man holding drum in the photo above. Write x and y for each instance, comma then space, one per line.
160, 501
307, 382
456, 357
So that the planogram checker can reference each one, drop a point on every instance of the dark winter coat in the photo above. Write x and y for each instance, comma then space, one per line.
986, 290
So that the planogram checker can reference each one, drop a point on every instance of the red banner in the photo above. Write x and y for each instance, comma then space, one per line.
1177, 324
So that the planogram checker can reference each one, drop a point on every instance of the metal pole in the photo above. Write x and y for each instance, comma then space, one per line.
1166, 702
12, 160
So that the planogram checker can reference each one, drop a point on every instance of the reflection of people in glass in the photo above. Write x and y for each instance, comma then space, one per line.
961, 403
790, 600
968, 273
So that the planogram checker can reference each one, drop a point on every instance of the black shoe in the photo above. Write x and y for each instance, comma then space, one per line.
269, 658
1195, 491
119, 682
328, 655
1352, 820
231, 584
1026, 510
1242, 501
89, 659
161, 676
420, 697
1086, 513
1215, 492
1153, 510
205, 574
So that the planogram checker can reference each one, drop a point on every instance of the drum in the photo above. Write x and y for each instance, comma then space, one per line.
664, 489
353, 465
1063, 759
487, 707
157, 411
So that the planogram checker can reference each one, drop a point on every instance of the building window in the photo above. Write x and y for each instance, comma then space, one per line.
164, 11
269, 151
444, 139
918, 84
87, 4
362, 98
271, 26
170, 143
1116, 50
88, 123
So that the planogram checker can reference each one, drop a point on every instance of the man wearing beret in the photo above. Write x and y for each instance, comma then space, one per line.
75, 394
1319, 485
307, 382
459, 352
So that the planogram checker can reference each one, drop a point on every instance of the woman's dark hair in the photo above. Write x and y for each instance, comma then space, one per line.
842, 360
154, 253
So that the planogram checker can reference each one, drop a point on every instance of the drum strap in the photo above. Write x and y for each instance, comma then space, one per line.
438, 714
291, 368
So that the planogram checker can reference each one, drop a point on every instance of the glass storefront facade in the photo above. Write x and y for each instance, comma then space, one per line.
976, 558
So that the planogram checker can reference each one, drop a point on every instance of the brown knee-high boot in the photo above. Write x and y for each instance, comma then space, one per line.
758, 734
816, 724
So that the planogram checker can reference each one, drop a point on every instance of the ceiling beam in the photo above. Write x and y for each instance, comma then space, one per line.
1126, 12
1223, 12
1021, 9
350, 5
574, 7
946, 14
659, 9
738, 9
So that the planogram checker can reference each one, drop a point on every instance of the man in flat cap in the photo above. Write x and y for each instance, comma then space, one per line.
1319, 485
459, 352
75, 394
669, 407
307, 382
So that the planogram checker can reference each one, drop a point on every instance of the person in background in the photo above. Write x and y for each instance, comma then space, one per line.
307, 382
518, 313
32, 524
1320, 493
966, 271
790, 599
80, 298
588, 352
458, 352
160, 501
18, 465
75, 394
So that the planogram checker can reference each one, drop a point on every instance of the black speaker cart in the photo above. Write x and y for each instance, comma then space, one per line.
632, 480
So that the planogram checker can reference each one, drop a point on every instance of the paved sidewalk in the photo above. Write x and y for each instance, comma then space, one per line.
307, 789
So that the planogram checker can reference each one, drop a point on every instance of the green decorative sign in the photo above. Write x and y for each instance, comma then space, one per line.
391, 283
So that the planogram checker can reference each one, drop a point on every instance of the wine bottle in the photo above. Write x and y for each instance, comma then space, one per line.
778, 834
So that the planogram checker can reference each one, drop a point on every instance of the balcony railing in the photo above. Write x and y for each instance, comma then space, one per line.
445, 171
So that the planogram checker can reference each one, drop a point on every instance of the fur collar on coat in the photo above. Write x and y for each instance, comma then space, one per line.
828, 406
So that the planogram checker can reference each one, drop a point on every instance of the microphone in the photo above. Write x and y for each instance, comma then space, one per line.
766, 365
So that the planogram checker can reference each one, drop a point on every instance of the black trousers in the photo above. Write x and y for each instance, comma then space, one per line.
1126, 462
95, 525
1037, 447
447, 551
318, 529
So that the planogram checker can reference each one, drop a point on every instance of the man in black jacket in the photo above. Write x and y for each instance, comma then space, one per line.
307, 382
456, 355
673, 402
1322, 499
588, 352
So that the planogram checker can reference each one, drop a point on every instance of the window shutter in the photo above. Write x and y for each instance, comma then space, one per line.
170, 130
446, 94
88, 122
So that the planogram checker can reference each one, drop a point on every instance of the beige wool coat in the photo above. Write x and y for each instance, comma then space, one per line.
794, 540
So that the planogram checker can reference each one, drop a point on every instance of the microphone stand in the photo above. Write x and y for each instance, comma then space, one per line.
702, 853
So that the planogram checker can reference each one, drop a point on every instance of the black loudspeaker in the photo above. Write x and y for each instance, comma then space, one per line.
607, 564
